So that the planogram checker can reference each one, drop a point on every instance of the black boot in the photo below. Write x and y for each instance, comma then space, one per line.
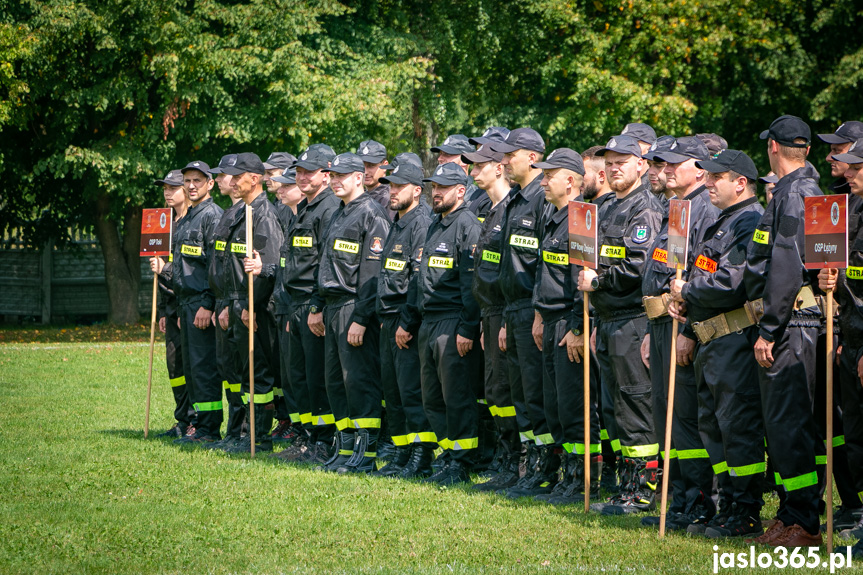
505, 478
419, 463
575, 491
263, 423
640, 493
342, 452
400, 460
527, 460
455, 472
609, 475
364, 455
488, 440
567, 470
544, 477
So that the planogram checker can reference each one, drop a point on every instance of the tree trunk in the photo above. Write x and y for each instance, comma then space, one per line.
122, 265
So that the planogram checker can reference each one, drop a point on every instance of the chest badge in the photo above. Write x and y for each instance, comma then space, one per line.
441, 248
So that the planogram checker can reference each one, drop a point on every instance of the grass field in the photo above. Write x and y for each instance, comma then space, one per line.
82, 491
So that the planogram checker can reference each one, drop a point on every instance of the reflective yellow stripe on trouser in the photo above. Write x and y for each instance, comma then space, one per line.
178, 381
579, 448
672, 454
746, 470
343, 423
366, 423
640, 450
208, 406
422, 437
322, 419
508, 411
526, 435
460, 444
260, 398
544, 439
801, 481
692, 453
399, 440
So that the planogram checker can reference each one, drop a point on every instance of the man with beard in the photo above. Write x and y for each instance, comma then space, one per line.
374, 156
625, 233
656, 176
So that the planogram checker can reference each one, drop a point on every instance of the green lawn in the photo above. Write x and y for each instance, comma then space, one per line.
82, 491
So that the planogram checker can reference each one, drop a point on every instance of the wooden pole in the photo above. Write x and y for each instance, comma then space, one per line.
829, 421
669, 412
251, 278
152, 345
585, 359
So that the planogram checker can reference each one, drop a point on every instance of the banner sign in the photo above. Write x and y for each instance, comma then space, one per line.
583, 237
156, 233
826, 228
678, 233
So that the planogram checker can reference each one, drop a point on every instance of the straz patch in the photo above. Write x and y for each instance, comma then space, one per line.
488, 256
555, 258
640, 234
190, 250
612, 252
394, 265
220, 246
238, 248
761, 237
854, 273
377, 246
523, 242
660, 255
706, 264
302, 242
439, 262
346, 246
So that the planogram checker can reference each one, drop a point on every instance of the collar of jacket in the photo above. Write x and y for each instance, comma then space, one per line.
445, 222
697, 191
400, 222
739, 206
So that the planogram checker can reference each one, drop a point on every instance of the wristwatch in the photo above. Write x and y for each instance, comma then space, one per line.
575, 331
313, 309
594, 283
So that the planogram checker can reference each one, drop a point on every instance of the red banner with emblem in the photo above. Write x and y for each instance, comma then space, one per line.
826, 229
678, 233
583, 237
156, 227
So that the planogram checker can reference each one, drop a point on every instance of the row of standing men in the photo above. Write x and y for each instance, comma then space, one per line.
462, 320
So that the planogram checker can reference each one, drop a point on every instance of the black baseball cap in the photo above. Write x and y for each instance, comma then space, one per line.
854, 155
714, 142
562, 158
730, 161
289, 176
405, 174
315, 157
456, 144
279, 161
226, 161
785, 129
200, 166
847, 132
769, 179
372, 152
172, 178
685, 148
346, 163
641, 132
483, 154
520, 139
449, 174
246, 162
621, 145
402, 159
492, 134
662, 144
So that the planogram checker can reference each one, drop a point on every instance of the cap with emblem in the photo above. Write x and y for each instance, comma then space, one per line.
730, 161
315, 157
714, 142
621, 145
402, 159
493, 134
346, 163
200, 166
769, 179
785, 129
685, 148
227, 160
372, 152
289, 176
662, 144
405, 174
279, 161
847, 132
854, 155
520, 139
562, 158
448, 174
456, 144
246, 162
482, 155
639, 131
172, 178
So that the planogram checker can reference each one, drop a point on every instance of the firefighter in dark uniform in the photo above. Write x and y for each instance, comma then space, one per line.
557, 298
289, 427
478, 200
247, 174
785, 348
411, 432
347, 281
848, 284
518, 261
175, 198
451, 150
691, 474
716, 311
301, 253
489, 173
227, 347
656, 168
450, 324
374, 157
192, 253
626, 231
646, 137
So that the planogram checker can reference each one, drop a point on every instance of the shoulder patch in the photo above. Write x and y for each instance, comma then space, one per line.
640, 234
377, 246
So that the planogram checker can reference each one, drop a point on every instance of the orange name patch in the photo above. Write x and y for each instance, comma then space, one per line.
660, 255
705, 264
